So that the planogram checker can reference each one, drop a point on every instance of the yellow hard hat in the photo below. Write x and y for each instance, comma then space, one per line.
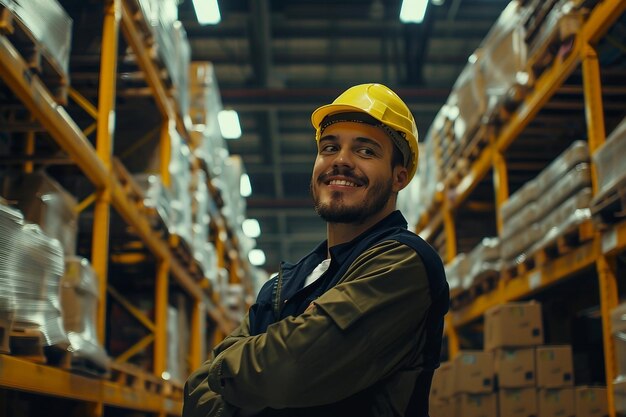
382, 104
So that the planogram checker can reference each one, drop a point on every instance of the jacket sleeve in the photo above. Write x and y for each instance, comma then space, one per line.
357, 333
199, 400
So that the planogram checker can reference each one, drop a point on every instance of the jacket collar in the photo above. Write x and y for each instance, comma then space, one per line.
340, 252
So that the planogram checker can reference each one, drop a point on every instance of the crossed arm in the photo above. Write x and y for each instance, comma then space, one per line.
329, 352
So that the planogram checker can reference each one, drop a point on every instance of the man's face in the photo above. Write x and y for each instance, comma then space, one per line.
352, 177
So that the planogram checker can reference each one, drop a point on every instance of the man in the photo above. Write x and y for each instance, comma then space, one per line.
355, 327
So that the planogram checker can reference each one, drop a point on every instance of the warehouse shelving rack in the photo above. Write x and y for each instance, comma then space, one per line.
96, 164
605, 245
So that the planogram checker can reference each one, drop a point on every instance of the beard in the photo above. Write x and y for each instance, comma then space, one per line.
336, 211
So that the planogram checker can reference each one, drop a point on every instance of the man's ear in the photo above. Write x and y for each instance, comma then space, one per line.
400, 178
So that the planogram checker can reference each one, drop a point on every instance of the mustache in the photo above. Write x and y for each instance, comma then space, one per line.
348, 173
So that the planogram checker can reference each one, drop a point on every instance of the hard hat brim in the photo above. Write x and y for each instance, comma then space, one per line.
321, 112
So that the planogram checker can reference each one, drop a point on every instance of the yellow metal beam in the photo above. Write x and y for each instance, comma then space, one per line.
104, 149
449, 229
161, 304
165, 149
134, 311
90, 129
87, 201
29, 150
500, 181
83, 103
135, 349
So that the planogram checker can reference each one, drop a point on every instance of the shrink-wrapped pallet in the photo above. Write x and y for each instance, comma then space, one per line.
180, 186
456, 271
50, 26
576, 179
483, 260
524, 196
156, 198
31, 265
520, 220
514, 248
577, 153
46, 203
79, 302
609, 159
467, 101
572, 212
503, 58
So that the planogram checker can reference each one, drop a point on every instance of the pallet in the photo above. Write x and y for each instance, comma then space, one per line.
609, 207
39, 61
27, 343
134, 377
86, 367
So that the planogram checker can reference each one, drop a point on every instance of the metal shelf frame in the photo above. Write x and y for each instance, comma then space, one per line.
600, 252
95, 164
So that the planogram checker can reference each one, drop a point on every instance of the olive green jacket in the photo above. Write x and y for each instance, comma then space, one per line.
365, 335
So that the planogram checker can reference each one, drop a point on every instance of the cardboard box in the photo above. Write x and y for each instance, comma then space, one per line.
591, 401
442, 386
475, 405
513, 325
555, 366
473, 372
515, 368
556, 402
517, 402
441, 408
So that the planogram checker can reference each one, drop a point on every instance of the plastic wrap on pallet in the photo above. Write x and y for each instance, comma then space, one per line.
514, 248
504, 56
577, 153
45, 202
200, 207
180, 175
576, 179
456, 271
31, 265
156, 196
50, 25
234, 204
178, 337
524, 196
79, 301
574, 211
609, 159
563, 15
520, 220
204, 97
408, 202
467, 100
181, 83
483, 259
207, 258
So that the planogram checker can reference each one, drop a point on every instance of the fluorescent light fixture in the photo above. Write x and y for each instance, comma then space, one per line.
413, 11
256, 257
245, 188
229, 124
207, 12
251, 228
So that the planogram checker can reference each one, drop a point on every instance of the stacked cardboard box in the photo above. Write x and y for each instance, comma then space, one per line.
516, 375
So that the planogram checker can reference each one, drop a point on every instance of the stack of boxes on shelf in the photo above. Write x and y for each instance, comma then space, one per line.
46, 24
608, 204
496, 78
550, 205
516, 375
53, 292
547, 209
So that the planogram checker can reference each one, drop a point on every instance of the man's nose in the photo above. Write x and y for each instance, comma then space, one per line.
344, 158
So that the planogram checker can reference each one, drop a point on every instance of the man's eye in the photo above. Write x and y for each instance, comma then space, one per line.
366, 152
328, 148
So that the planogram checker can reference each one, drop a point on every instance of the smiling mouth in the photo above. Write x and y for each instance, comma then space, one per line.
343, 183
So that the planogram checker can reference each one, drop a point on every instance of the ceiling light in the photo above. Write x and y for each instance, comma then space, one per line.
251, 228
207, 12
256, 257
245, 188
413, 11
229, 124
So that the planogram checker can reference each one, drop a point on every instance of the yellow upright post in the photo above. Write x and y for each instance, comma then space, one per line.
198, 335
450, 231
607, 281
500, 180
160, 308
166, 152
30, 148
104, 146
